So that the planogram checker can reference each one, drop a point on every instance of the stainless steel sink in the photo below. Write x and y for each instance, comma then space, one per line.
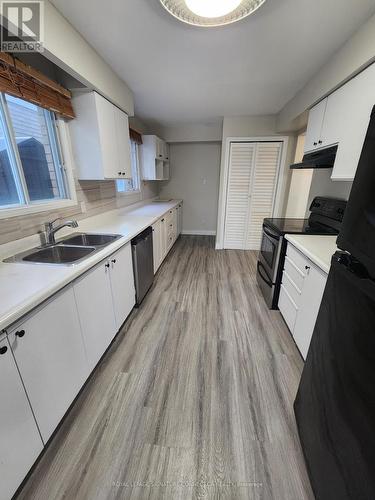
85, 240
57, 254
72, 250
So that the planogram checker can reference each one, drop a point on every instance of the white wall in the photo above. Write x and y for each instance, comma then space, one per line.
300, 184
195, 179
68, 49
355, 55
322, 185
192, 132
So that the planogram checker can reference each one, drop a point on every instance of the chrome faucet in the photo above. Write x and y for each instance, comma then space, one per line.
51, 230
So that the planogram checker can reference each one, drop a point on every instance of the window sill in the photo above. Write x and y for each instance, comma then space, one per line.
47, 206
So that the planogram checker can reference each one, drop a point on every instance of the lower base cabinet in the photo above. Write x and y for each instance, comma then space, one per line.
20, 441
95, 309
46, 357
50, 356
302, 289
122, 284
165, 232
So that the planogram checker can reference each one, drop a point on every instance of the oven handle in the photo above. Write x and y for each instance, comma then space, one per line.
271, 235
266, 280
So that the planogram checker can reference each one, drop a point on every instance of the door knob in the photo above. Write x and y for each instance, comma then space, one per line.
20, 333
3, 349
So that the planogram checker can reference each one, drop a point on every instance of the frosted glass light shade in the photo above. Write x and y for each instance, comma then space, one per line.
212, 8
211, 13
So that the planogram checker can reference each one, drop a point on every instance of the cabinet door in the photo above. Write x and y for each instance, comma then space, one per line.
95, 309
108, 137
122, 284
175, 223
156, 242
50, 355
160, 148
20, 441
356, 98
179, 219
166, 151
314, 126
123, 143
311, 297
163, 238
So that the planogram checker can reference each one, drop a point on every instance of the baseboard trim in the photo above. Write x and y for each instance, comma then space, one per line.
200, 232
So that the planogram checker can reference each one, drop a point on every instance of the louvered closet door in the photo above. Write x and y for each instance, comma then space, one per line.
241, 160
267, 160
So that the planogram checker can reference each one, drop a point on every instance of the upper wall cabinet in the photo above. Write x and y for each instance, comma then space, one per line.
155, 158
342, 118
100, 137
314, 127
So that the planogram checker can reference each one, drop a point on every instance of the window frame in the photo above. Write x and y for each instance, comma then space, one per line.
139, 179
62, 148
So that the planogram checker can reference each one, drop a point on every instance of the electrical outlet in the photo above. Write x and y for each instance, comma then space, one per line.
83, 207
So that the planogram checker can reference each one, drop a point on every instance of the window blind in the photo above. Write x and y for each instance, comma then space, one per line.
23, 81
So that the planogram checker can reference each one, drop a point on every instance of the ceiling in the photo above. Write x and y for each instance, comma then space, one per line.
180, 73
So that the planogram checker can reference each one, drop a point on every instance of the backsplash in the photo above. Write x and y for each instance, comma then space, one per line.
97, 197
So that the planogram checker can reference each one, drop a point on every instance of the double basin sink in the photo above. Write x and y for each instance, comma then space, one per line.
70, 250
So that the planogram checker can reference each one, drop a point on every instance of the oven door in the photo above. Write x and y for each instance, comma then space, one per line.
270, 252
268, 264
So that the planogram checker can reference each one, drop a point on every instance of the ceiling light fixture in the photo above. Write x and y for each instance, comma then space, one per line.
210, 13
212, 8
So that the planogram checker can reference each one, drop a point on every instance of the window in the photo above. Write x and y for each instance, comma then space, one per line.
31, 171
131, 185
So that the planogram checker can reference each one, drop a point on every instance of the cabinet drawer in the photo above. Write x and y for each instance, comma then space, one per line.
291, 288
287, 308
294, 273
297, 258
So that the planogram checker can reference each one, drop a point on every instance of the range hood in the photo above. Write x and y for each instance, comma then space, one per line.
324, 158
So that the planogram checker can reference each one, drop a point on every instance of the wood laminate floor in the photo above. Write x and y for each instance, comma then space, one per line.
192, 401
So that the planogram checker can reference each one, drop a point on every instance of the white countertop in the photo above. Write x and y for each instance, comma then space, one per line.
319, 249
24, 286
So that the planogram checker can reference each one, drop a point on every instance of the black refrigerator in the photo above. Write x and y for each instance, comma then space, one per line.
335, 403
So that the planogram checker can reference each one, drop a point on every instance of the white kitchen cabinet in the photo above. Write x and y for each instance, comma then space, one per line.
122, 284
123, 143
315, 125
302, 289
164, 237
342, 118
50, 355
179, 219
95, 309
100, 138
155, 158
20, 441
352, 105
157, 244
311, 299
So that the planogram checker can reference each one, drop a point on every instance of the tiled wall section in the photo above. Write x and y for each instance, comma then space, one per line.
97, 196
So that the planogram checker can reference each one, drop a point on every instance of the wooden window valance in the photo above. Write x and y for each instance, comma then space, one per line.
135, 136
21, 80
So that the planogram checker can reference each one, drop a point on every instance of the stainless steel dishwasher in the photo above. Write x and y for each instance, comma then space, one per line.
143, 264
